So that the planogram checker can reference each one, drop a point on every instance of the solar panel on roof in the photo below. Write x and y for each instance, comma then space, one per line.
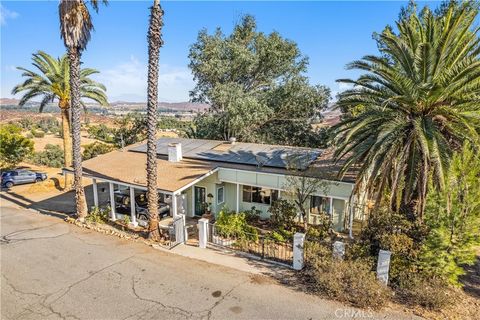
240, 153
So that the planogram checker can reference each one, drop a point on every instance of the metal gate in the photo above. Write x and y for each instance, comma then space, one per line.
259, 245
174, 234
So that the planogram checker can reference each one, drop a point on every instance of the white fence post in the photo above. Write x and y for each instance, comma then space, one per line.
298, 251
383, 265
338, 250
202, 233
179, 226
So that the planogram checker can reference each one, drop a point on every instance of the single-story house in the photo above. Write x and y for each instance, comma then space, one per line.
209, 175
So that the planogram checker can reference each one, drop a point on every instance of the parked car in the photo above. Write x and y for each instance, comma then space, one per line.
14, 177
122, 205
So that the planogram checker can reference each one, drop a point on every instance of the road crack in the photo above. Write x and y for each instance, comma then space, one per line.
219, 301
174, 310
92, 274
7, 239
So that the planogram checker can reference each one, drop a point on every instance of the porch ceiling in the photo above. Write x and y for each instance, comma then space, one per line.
130, 168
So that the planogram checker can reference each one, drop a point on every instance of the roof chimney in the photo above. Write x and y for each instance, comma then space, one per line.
175, 152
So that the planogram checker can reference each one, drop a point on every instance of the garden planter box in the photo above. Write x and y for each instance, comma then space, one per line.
222, 241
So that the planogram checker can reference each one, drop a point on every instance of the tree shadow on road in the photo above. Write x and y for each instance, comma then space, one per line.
60, 205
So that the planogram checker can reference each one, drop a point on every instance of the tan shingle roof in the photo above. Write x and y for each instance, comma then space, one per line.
130, 167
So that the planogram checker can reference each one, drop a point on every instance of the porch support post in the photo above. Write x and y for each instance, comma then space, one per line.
193, 202
350, 226
133, 214
174, 205
112, 202
238, 198
95, 192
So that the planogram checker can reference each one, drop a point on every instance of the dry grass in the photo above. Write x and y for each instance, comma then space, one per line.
463, 307
40, 143
13, 115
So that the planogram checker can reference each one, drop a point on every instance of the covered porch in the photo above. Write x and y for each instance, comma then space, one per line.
122, 175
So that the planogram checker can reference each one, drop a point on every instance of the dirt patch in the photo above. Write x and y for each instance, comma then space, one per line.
40, 143
260, 279
15, 115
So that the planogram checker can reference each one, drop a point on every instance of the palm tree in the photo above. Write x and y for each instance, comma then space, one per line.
51, 82
416, 103
75, 27
154, 43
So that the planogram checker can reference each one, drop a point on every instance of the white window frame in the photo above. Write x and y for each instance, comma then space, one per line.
223, 195
261, 188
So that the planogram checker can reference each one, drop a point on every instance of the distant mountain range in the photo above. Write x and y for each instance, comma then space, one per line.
126, 105
8, 102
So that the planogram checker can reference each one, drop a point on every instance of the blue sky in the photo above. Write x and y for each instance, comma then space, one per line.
331, 34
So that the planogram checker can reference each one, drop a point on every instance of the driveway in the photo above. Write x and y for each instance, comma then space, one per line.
54, 270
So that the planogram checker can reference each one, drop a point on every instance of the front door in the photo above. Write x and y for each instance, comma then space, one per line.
199, 197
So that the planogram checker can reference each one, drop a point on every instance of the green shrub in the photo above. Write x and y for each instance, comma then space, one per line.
101, 132
282, 235
322, 230
98, 215
130, 129
390, 231
344, 280
252, 215
48, 124
166, 122
453, 218
94, 149
231, 224
51, 156
26, 123
283, 214
14, 147
37, 133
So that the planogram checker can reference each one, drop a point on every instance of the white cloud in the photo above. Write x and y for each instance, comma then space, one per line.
128, 81
6, 14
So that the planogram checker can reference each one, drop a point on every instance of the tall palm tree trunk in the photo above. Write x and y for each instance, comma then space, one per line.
67, 133
81, 203
154, 44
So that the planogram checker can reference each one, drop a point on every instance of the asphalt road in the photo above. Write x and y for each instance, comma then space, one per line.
54, 270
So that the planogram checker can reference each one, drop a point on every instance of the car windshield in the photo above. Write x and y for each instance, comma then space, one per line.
6, 173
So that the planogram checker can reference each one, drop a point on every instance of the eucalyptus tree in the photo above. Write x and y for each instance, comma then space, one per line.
75, 28
51, 81
154, 43
415, 104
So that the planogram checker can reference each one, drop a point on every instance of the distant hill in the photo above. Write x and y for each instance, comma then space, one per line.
9, 102
125, 105
176, 106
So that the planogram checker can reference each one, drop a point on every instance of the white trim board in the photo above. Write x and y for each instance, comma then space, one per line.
284, 190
